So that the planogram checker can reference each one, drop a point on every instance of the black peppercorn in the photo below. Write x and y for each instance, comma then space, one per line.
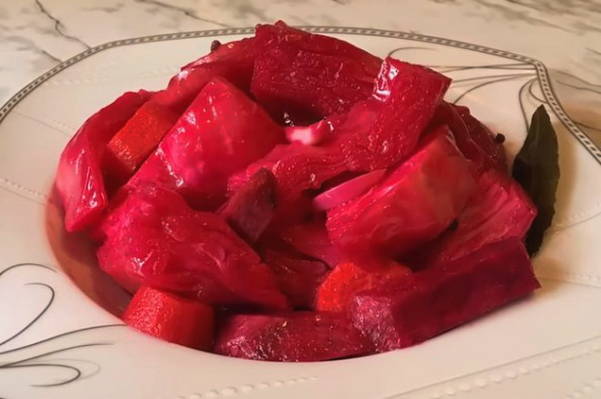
215, 44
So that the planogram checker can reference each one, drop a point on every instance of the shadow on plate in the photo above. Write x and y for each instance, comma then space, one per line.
75, 254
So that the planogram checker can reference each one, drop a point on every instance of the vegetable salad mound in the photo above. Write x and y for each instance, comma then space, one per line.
291, 197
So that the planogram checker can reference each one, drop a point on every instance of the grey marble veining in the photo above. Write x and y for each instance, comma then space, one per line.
166, 7
58, 26
37, 34
508, 13
109, 9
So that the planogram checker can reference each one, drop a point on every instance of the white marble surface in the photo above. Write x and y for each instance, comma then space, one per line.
37, 34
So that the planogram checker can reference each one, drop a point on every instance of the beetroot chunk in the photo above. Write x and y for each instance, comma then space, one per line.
232, 61
473, 138
79, 179
297, 277
220, 133
376, 133
311, 239
499, 209
347, 279
485, 139
236, 58
447, 114
384, 130
303, 168
309, 76
250, 210
297, 168
154, 238
291, 337
411, 206
422, 305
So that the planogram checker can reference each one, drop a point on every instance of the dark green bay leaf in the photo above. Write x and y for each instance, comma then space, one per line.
536, 168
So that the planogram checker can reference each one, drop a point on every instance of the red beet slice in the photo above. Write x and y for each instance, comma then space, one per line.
79, 179
291, 337
447, 114
297, 168
232, 61
473, 138
499, 209
427, 303
302, 168
239, 54
348, 279
307, 75
171, 318
411, 206
384, 130
220, 133
376, 133
311, 239
153, 238
250, 210
136, 140
239, 179
298, 278
485, 139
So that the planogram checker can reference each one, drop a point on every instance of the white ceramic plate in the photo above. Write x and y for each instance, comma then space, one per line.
57, 342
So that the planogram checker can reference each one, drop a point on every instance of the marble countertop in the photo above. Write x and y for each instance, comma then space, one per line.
35, 35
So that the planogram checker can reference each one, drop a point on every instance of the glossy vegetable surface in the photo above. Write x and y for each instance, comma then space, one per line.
291, 197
